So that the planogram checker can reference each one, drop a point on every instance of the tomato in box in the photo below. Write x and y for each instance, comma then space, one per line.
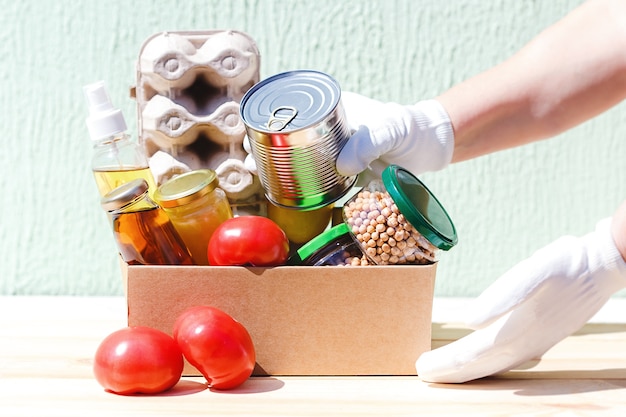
248, 240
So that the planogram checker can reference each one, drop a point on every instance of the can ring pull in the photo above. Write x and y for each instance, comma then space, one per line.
278, 122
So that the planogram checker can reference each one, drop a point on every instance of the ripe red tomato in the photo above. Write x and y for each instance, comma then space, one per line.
217, 345
248, 240
138, 360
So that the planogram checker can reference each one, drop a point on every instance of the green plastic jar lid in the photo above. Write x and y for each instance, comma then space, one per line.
420, 207
318, 242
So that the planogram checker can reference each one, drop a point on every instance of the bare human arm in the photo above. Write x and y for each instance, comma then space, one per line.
572, 71
569, 73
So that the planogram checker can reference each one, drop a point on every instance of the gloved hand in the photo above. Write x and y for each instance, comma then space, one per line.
417, 137
531, 307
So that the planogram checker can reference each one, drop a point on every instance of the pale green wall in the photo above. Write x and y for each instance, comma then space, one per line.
54, 237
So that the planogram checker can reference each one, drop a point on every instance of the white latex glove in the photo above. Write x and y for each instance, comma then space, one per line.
531, 307
419, 137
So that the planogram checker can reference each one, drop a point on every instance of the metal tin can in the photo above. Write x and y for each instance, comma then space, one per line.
296, 125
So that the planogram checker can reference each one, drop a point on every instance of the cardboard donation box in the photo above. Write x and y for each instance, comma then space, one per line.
373, 320
303, 320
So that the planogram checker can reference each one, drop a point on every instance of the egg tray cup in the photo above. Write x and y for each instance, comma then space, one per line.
188, 88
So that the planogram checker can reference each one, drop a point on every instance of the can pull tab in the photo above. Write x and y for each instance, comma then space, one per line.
278, 122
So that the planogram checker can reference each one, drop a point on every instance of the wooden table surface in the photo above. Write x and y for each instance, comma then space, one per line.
47, 345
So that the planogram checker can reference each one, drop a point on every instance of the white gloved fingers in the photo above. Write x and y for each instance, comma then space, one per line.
512, 340
417, 137
359, 110
357, 153
505, 344
366, 177
532, 307
250, 164
547, 267
468, 358
362, 113
246, 144
508, 292
377, 166
588, 264
523, 334
249, 161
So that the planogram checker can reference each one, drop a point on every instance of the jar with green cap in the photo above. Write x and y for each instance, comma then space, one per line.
397, 220
334, 247
196, 206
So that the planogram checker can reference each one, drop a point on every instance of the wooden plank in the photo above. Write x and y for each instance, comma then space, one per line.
47, 344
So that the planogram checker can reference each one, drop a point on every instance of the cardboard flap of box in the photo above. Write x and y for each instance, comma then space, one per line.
303, 320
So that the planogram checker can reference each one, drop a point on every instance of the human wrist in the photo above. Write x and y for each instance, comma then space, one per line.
618, 230
604, 256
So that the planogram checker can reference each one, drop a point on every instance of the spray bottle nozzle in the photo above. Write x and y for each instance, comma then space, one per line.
97, 97
104, 120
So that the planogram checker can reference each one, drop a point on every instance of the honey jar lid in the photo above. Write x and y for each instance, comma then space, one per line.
420, 207
124, 194
318, 242
185, 188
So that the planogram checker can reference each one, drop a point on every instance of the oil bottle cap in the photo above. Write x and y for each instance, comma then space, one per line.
186, 188
420, 207
104, 120
124, 194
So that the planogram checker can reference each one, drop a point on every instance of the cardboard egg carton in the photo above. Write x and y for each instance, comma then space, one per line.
188, 89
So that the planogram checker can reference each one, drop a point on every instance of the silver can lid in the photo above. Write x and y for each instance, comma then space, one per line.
290, 101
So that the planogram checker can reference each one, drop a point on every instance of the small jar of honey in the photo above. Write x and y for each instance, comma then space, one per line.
196, 206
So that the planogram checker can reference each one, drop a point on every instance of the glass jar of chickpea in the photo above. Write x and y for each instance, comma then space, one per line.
397, 220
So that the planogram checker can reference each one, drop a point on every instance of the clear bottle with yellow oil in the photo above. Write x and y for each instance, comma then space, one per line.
116, 158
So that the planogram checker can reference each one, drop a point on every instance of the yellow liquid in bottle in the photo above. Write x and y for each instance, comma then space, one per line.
107, 180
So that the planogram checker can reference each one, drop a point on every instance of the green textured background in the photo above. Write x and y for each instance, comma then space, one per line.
54, 237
